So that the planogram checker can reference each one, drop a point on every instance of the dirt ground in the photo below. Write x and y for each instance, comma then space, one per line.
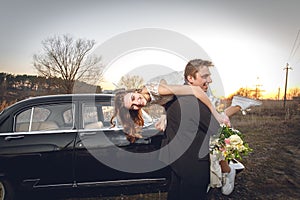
272, 170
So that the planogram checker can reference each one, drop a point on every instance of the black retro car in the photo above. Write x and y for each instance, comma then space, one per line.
62, 141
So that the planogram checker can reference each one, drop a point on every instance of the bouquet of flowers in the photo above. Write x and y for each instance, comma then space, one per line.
229, 144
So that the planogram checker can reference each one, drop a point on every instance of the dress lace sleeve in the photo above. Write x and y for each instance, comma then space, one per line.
152, 88
156, 98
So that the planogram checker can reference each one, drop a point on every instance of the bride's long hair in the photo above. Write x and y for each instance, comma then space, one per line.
131, 120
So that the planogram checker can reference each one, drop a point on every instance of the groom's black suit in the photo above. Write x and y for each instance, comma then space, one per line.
189, 125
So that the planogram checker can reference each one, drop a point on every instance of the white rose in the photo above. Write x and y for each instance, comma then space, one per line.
235, 140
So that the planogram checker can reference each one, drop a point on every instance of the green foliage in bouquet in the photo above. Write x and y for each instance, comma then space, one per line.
230, 144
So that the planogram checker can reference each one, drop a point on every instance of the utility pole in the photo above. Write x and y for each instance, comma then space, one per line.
257, 92
286, 80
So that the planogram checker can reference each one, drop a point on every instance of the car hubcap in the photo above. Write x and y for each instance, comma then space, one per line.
2, 191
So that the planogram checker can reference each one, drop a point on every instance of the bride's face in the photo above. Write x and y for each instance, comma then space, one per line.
134, 101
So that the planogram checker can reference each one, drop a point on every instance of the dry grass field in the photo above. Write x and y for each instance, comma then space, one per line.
272, 170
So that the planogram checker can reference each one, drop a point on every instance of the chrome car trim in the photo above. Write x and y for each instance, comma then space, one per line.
56, 185
37, 132
107, 183
124, 182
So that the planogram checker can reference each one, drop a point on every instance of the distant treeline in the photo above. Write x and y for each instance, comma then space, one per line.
17, 87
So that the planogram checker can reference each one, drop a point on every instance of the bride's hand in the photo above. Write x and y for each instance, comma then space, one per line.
132, 137
161, 123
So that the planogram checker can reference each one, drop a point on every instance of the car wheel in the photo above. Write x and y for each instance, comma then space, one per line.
6, 192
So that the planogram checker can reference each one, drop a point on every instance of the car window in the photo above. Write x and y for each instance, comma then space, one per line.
39, 114
68, 116
96, 115
45, 118
108, 112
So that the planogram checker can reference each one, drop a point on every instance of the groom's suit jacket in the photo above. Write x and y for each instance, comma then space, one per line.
189, 127
186, 147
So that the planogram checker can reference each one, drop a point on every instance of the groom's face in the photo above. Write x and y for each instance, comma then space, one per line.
202, 78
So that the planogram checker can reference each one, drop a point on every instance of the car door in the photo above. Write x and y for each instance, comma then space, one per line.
105, 157
39, 151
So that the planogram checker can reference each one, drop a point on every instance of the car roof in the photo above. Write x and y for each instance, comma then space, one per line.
59, 97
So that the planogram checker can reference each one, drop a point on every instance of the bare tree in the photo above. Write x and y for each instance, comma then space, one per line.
68, 59
131, 82
242, 92
248, 92
293, 92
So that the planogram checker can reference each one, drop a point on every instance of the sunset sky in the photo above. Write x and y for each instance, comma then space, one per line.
249, 42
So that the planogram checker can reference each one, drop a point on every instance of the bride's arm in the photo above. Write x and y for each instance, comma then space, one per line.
165, 89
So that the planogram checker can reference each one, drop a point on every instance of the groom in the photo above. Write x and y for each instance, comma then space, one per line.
190, 123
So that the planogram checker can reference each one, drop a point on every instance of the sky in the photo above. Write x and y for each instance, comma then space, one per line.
250, 42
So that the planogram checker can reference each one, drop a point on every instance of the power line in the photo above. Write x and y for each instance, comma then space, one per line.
294, 48
296, 63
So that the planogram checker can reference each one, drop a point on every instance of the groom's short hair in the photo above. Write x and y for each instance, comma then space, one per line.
193, 67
